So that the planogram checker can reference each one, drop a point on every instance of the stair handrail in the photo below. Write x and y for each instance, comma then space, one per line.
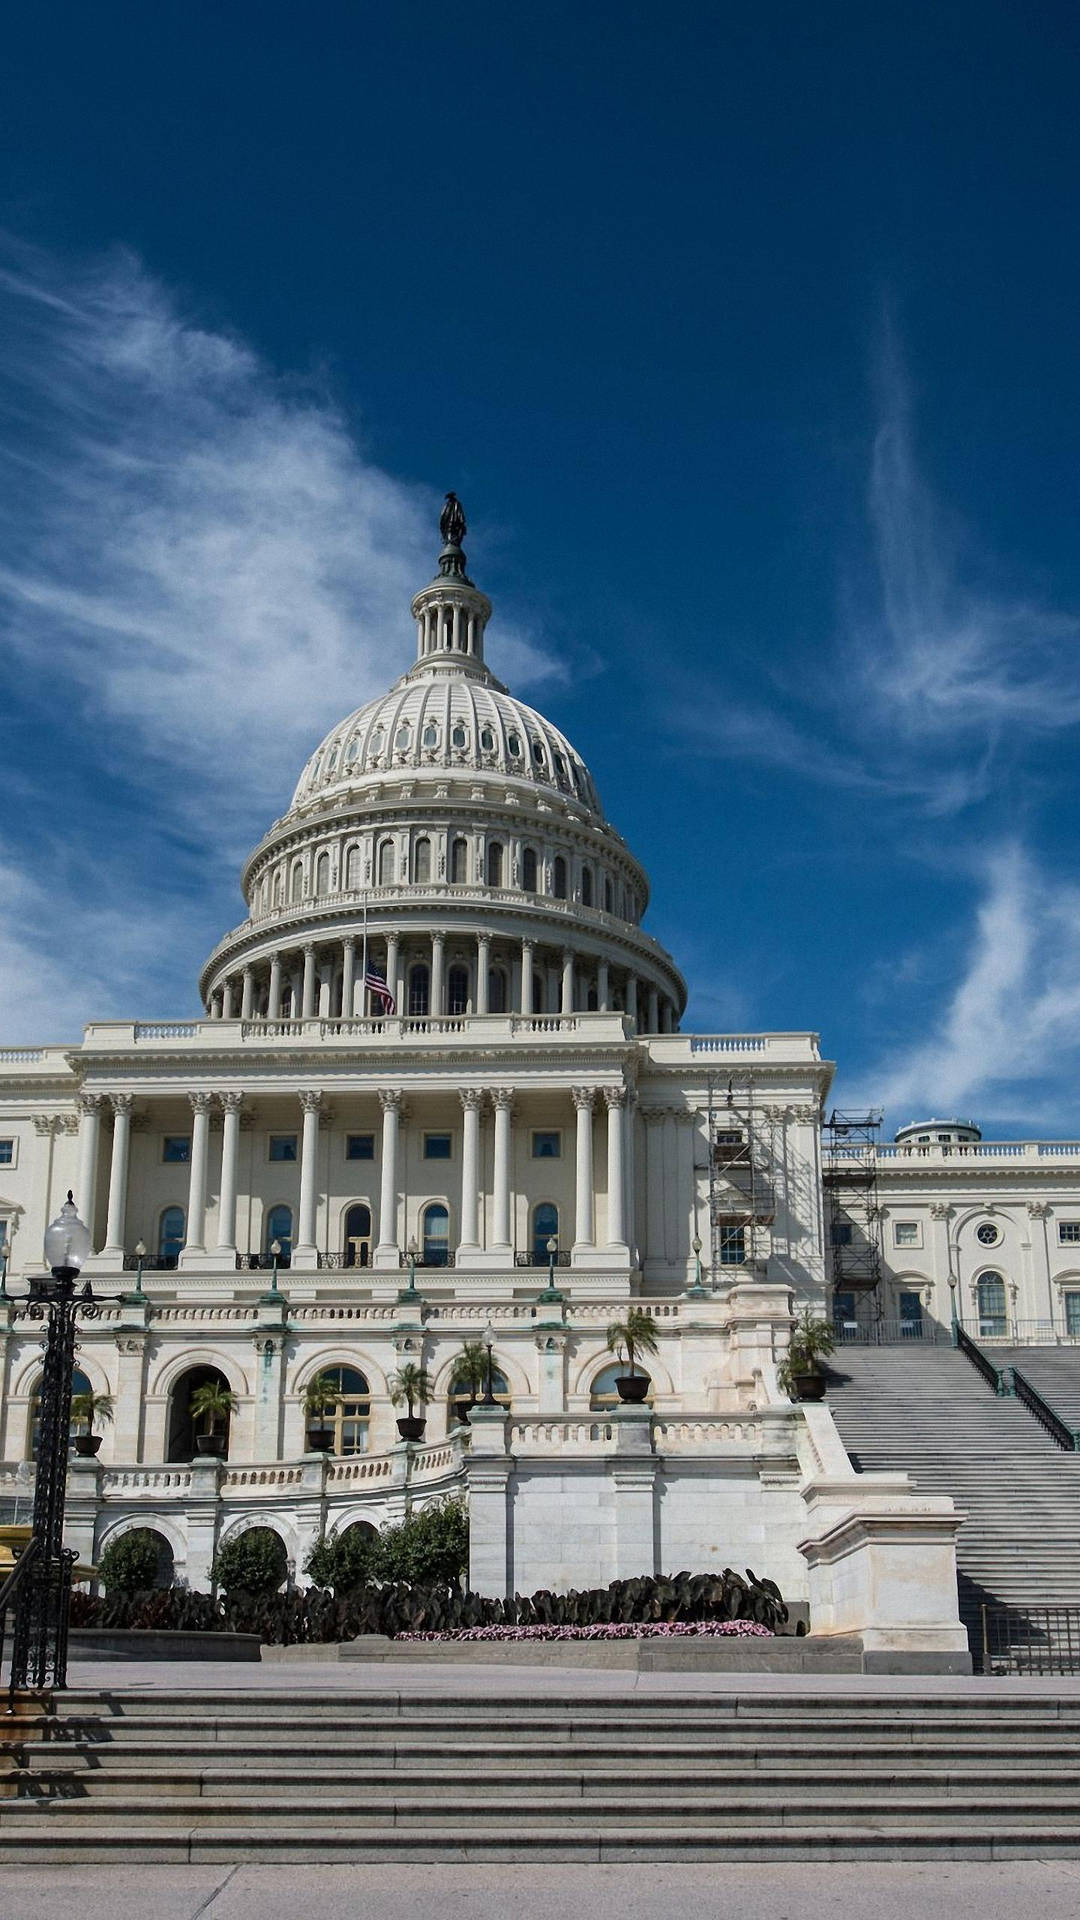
1067, 1437
994, 1376
8, 1593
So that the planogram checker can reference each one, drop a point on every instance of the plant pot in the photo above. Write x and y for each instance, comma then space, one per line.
411, 1429
632, 1386
87, 1444
211, 1443
320, 1439
811, 1385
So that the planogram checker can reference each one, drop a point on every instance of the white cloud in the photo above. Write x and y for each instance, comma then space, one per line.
1011, 1031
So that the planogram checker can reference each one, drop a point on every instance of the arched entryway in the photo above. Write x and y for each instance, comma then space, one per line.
183, 1426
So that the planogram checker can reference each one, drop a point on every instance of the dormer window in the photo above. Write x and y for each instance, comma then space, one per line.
377, 738
538, 753
487, 740
459, 738
352, 750
402, 738
431, 734
513, 745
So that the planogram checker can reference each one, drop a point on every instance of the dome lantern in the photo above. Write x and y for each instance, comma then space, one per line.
451, 613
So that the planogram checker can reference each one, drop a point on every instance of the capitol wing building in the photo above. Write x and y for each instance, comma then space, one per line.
440, 1099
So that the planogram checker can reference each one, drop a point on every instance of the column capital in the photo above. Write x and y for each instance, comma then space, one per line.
200, 1102
349, 940
309, 947
653, 1115
615, 1096
1038, 1209
528, 945
89, 1102
391, 1099
121, 1102
231, 1102
472, 1098
940, 1210
502, 1097
583, 1097
310, 1100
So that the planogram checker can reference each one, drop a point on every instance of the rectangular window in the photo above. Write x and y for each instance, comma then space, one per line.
436, 1146
906, 1233
725, 1138
732, 1246
1072, 1314
546, 1146
359, 1146
841, 1233
283, 1146
7, 1153
1068, 1232
176, 1147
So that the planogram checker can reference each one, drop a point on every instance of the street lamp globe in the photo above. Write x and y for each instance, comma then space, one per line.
67, 1241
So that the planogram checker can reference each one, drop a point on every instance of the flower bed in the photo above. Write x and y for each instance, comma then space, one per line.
611, 1630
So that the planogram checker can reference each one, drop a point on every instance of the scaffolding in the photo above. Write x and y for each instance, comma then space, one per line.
852, 1217
742, 1177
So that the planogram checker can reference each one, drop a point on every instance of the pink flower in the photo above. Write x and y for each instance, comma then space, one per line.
613, 1630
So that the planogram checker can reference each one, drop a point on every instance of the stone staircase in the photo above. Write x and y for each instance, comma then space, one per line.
290, 1775
927, 1410
1053, 1371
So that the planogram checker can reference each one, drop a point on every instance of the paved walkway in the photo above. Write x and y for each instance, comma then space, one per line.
938, 1890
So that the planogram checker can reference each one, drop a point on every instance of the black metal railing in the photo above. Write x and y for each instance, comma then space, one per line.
151, 1262
1067, 1438
541, 1259
435, 1257
30, 1553
994, 1376
888, 1333
1031, 1639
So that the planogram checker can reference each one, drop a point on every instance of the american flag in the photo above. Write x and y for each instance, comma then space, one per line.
377, 986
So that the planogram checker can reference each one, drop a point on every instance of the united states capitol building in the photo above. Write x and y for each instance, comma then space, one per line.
441, 1095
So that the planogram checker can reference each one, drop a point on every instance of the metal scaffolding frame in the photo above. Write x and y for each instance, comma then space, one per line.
742, 1187
852, 1216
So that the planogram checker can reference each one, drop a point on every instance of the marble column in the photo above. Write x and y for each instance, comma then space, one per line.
228, 1004
653, 1023
527, 949
503, 1102
195, 1237
566, 1002
471, 1100
230, 1140
654, 1182
326, 987
631, 997
584, 1230
273, 1010
90, 1105
392, 981
122, 1104
304, 1246
667, 1020
390, 1100
615, 1100
603, 987
348, 978
483, 967
438, 942
247, 996
307, 1003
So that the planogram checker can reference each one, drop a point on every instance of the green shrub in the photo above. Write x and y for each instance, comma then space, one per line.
255, 1562
429, 1549
345, 1562
130, 1564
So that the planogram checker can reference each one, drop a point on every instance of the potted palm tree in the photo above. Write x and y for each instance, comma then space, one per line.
411, 1386
626, 1339
320, 1396
468, 1379
85, 1409
800, 1373
212, 1402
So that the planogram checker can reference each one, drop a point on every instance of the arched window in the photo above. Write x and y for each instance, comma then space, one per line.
993, 1317
354, 870
604, 1393
402, 738
279, 1228
528, 869
586, 886
539, 754
422, 861
375, 744
419, 991
436, 1230
487, 740
322, 873
79, 1384
513, 745
386, 864
182, 1426
558, 878
170, 1236
457, 990
331, 764
279, 888
459, 738
431, 735
609, 894
498, 990
350, 1415
357, 1251
495, 863
466, 1388
459, 863
352, 750
296, 881
545, 1227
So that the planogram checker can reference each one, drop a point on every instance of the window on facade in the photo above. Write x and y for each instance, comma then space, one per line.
357, 1249
609, 895
402, 738
351, 1411
283, 1146
604, 1394
487, 740
545, 1227
732, 1246
322, 873
942, 1136
464, 1394
352, 750
498, 990
296, 883
1068, 1232
359, 1146
176, 1147
513, 745
538, 753
386, 864
457, 990
993, 1323
376, 742
79, 1384
354, 869
905, 1233
436, 1242
459, 863
528, 869
840, 1233
495, 864
843, 1311
910, 1316
560, 766
437, 1146
7, 1153
586, 886
558, 878
459, 738
546, 1146
422, 861
170, 1236
279, 1228
729, 1137
419, 991
987, 1234
1072, 1315
431, 735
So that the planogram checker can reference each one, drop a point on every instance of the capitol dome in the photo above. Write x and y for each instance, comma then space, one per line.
447, 840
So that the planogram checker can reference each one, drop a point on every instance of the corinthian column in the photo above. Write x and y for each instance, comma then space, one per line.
584, 1230
90, 1105
195, 1237
122, 1104
471, 1098
503, 1101
615, 1100
390, 1100
231, 1104
304, 1249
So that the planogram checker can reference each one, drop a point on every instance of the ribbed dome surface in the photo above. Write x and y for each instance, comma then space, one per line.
443, 722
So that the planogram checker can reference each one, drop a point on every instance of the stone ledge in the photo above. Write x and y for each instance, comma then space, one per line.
148, 1643
835, 1653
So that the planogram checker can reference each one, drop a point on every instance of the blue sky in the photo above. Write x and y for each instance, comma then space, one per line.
747, 336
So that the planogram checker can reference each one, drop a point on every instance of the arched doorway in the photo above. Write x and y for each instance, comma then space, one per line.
182, 1426
357, 1251
436, 1248
604, 1394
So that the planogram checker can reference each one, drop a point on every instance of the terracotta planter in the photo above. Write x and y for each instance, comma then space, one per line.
632, 1386
411, 1429
87, 1444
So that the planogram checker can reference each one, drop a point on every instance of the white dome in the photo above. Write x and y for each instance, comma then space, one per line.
443, 722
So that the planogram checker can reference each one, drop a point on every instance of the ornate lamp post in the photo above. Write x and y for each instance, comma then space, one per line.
489, 1399
39, 1643
699, 1289
551, 1292
138, 1298
410, 1294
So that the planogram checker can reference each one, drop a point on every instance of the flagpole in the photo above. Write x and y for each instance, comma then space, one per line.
363, 971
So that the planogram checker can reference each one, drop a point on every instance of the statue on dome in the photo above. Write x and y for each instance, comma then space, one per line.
452, 521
